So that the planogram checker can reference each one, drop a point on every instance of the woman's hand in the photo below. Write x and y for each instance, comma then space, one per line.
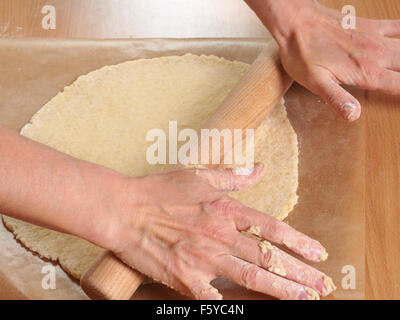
320, 54
181, 228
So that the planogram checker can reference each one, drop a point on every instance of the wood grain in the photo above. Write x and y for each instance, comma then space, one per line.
381, 120
131, 19
231, 18
8, 291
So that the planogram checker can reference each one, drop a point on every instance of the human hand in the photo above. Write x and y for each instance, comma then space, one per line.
180, 228
318, 53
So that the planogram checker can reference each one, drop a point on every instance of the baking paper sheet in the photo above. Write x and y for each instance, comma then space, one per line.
331, 168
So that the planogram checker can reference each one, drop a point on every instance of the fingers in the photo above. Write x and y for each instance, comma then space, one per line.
387, 82
271, 258
338, 98
255, 278
383, 79
201, 289
269, 228
388, 28
232, 179
392, 43
394, 63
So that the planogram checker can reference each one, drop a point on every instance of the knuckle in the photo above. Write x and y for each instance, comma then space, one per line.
273, 228
368, 77
227, 206
372, 78
383, 26
332, 97
249, 274
369, 43
368, 54
230, 178
219, 233
225, 179
266, 258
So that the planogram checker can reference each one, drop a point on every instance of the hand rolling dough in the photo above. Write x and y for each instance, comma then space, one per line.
103, 117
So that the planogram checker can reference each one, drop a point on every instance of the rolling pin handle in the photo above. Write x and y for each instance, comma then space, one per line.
110, 279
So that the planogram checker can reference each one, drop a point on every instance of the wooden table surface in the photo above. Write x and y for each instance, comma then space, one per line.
232, 18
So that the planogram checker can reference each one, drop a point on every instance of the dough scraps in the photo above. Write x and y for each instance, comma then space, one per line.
103, 117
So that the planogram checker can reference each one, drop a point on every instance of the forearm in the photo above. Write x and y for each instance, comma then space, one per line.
51, 189
281, 16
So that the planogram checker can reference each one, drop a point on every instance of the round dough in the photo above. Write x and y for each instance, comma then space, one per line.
103, 117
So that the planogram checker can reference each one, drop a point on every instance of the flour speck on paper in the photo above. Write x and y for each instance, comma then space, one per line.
103, 117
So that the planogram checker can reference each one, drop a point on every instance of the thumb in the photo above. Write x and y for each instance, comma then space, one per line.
338, 98
232, 179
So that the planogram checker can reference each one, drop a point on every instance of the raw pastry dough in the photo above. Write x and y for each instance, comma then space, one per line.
103, 117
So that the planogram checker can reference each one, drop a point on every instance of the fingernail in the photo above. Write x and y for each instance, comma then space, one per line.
312, 294
243, 171
329, 286
325, 285
317, 252
324, 256
308, 294
247, 171
350, 111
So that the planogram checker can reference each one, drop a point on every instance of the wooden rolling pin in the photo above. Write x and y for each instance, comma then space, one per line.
245, 107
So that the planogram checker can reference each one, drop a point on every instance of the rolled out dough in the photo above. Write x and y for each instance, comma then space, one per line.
103, 117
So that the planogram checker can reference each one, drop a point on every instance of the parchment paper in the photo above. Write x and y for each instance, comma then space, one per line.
331, 169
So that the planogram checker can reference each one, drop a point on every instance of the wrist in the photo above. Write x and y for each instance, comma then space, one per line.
120, 213
109, 198
282, 18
